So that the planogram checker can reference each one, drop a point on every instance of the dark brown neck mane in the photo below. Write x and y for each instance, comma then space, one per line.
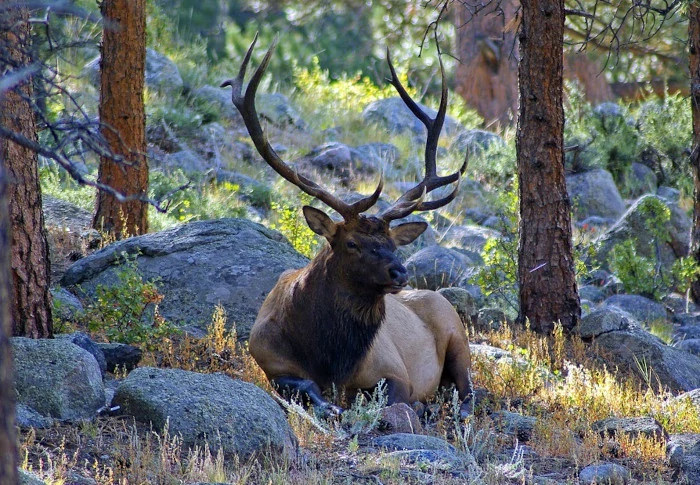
339, 324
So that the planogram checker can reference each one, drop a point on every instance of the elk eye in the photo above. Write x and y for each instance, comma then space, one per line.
352, 245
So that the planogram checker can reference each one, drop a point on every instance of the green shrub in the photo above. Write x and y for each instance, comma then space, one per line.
638, 274
127, 312
291, 223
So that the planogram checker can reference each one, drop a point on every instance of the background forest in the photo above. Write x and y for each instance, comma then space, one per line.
547, 393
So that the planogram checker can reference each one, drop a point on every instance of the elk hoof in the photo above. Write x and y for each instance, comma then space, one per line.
329, 410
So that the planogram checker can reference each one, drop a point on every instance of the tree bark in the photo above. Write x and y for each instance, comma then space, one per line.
31, 308
122, 114
694, 66
8, 441
487, 72
546, 275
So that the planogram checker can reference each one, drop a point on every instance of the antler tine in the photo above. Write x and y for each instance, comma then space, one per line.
246, 106
412, 200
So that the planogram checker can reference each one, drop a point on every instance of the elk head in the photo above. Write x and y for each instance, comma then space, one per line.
361, 242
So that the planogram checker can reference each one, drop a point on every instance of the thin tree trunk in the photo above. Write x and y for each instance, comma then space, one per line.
546, 276
694, 65
31, 309
122, 114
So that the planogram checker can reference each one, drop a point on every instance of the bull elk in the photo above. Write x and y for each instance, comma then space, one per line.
344, 319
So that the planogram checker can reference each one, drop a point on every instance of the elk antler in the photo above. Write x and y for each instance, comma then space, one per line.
246, 106
414, 199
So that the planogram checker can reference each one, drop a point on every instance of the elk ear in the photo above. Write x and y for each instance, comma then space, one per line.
319, 222
407, 233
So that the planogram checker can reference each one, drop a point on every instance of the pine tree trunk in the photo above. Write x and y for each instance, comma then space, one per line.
8, 451
486, 76
546, 274
694, 65
122, 114
31, 309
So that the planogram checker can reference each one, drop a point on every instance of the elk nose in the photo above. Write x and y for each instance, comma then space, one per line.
398, 275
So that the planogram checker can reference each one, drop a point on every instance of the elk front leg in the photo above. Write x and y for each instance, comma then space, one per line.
288, 386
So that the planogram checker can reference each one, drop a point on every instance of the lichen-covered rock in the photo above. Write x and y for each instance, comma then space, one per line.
232, 262
234, 416
57, 378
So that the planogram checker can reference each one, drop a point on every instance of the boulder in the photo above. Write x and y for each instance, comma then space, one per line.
630, 346
640, 180
83, 341
232, 262
476, 141
642, 309
632, 427
120, 356
594, 193
683, 451
394, 115
234, 416
162, 74
514, 424
633, 225
436, 267
470, 238
607, 473
464, 302
57, 378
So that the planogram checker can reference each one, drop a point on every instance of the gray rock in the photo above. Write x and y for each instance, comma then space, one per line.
514, 424
471, 238
276, 108
190, 162
232, 262
220, 100
591, 293
491, 318
463, 301
632, 226
429, 450
644, 310
683, 452
27, 417
27, 478
66, 306
234, 416
436, 267
691, 346
476, 141
59, 213
669, 193
378, 155
392, 114
120, 356
333, 156
162, 74
83, 341
640, 180
410, 441
630, 346
594, 193
632, 427
605, 473
57, 378
400, 418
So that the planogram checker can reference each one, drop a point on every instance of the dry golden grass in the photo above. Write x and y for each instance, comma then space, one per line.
557, 379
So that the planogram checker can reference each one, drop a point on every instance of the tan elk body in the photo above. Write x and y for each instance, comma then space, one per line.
344, 319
